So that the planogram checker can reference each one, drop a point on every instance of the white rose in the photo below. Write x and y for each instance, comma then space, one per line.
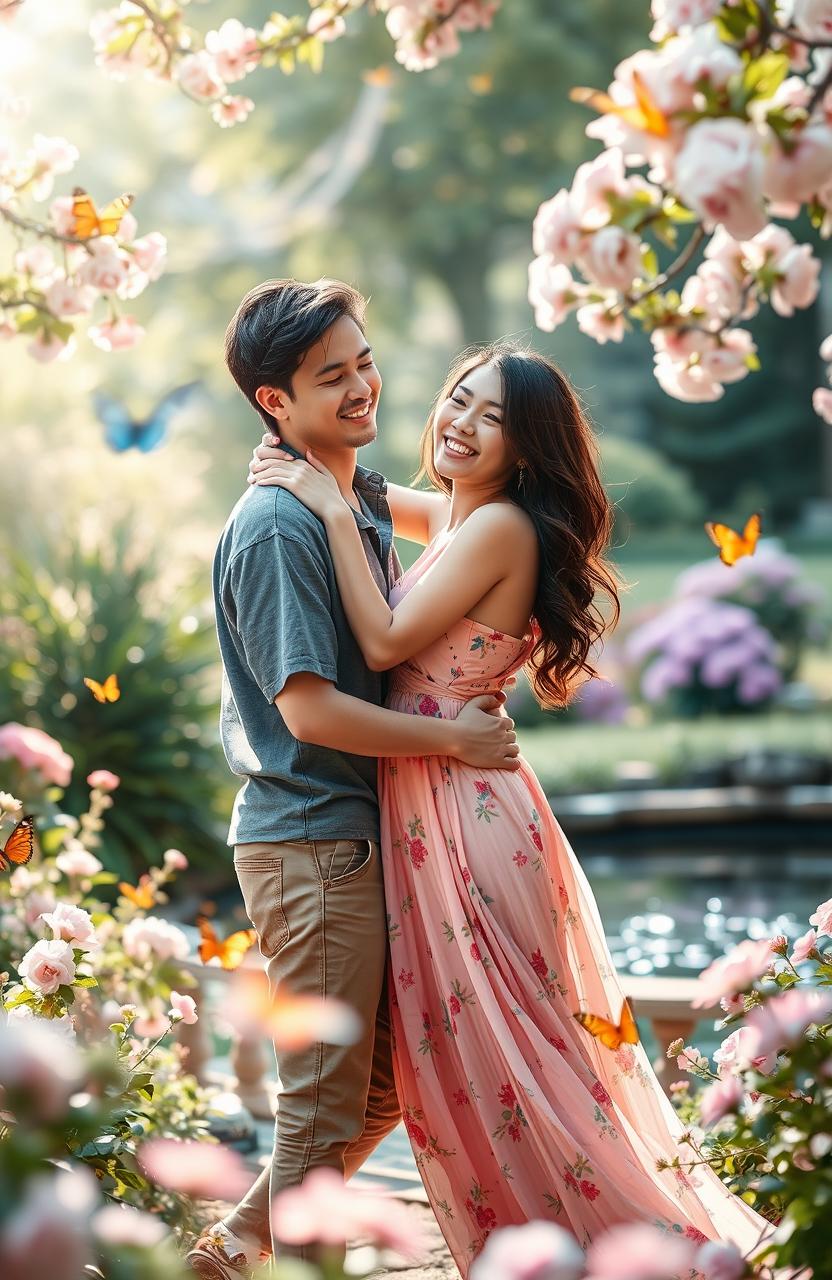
47, 966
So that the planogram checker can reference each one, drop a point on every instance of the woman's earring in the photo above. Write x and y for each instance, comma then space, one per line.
521, 474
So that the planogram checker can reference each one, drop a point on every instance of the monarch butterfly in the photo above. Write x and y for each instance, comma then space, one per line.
644, 113
230, 951
20, 845
141, 895
90, 221
733, 545
612, 1036
106, 692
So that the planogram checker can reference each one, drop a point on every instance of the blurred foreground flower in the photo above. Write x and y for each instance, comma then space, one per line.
292, 1022
326, 1211
205, 1170
732, 973
33, 749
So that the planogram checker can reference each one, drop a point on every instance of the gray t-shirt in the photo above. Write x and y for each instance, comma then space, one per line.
278, 613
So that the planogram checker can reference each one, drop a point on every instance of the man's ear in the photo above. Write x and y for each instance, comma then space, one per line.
274, 401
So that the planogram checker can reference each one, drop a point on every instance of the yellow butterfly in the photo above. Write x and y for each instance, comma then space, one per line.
230, 951
20, 845
732, 545
90, 221
644, 114
612, 1036
141, 895
106, 692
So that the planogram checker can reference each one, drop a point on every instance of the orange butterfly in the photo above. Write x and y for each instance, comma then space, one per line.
644, 114
610, 1035
230, 951
141, 895
733, 545
20, 845
106, 692
90, 221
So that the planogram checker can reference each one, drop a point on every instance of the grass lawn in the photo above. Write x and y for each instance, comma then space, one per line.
575, 756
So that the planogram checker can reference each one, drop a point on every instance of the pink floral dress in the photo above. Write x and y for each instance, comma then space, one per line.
514, 1111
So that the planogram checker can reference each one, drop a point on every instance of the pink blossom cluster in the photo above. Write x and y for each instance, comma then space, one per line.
427, 31
638, 1251
707, 643
727, 173
55, 280
822, 396
34, 750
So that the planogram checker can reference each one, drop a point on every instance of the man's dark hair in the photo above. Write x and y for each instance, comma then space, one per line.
275, 325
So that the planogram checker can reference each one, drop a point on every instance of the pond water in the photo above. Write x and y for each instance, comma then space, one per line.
684, 897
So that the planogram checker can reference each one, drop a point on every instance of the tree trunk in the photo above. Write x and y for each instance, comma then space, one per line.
463, 272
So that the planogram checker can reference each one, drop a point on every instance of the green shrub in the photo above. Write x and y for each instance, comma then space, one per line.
648, 491
89, 610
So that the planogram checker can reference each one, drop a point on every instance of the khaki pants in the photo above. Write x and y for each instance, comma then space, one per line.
319, 912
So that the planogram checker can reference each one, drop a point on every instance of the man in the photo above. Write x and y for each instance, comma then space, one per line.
303, 724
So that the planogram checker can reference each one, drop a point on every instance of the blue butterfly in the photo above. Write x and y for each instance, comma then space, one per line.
123, 432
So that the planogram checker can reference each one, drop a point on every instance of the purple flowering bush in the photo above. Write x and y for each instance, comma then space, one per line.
771, 584
700, 655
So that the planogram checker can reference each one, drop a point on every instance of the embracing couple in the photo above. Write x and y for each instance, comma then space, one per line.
392, 847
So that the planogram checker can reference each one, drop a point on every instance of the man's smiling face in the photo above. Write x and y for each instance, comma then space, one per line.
335, 392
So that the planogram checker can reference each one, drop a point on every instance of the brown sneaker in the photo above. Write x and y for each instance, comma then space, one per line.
219, 1255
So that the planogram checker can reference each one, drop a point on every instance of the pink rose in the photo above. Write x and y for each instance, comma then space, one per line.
534, 1251
720, 1098
119, 1225
198, 75
194, 1168
557, 232
151, 936
71, 924
638, 1252
821, 917
720, 1261
182, 1008
735, 1053
798, 284
47, 1235
47, 966
103, 780
174, 860
78, 861
552, 292
34, 749
822, 403
783, 1021
116, 335
734, 972
612, 259
324, 1209
598, 321
804, 946
718, 174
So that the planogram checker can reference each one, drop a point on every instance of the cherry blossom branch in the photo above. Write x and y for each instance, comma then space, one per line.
41, 229
676, 268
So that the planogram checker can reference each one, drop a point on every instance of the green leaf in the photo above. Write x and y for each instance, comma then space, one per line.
86, 982
765, 74
66, 994
23, 997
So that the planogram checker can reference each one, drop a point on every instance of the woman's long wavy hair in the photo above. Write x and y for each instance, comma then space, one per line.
557, 482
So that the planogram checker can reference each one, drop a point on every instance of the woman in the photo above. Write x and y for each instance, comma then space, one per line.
514, 1110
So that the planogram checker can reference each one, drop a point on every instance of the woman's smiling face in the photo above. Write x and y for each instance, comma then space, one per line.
468, 441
